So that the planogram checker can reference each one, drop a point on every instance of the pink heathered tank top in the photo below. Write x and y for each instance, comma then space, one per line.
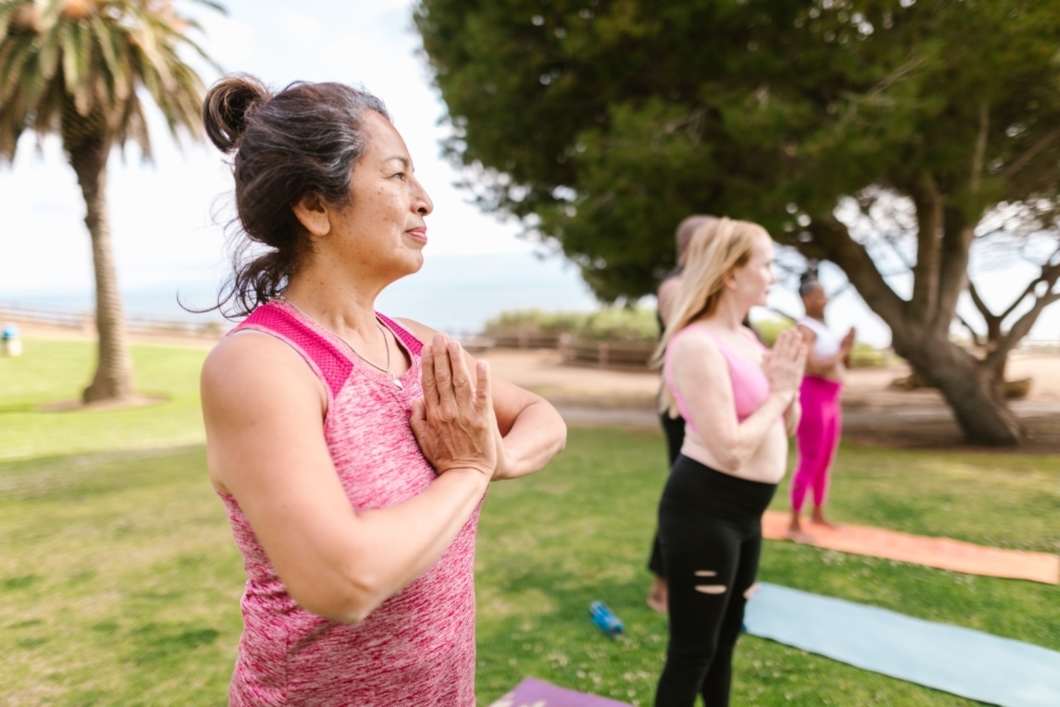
418, 646
750, 387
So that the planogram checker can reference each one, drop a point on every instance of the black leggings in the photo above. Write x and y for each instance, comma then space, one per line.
674, 429
710, 532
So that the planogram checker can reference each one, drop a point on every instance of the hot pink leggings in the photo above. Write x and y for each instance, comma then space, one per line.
817, 437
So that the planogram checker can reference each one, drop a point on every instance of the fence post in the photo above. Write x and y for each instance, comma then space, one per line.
524, 337
564, 346
604, 354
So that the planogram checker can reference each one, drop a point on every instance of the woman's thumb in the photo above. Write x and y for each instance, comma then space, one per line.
418, 420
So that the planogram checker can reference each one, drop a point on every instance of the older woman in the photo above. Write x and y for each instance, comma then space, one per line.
740, 404
352, 452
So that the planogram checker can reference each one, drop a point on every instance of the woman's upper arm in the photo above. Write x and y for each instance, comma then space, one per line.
809, 336
508, 399
263, 408
701, 375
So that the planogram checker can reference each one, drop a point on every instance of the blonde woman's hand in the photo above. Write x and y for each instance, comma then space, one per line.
785, 363
454, 422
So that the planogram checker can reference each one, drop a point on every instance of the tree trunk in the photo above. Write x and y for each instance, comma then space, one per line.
972, 388
973, 391
113, 379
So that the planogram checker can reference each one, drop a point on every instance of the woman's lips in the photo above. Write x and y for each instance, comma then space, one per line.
419, 234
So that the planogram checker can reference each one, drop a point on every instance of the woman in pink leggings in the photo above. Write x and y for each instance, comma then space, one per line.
351, 451
819, 428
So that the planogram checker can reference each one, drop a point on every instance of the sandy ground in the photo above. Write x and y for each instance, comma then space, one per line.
872, 411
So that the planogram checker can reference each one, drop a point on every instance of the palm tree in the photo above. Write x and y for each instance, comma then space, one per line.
79, 69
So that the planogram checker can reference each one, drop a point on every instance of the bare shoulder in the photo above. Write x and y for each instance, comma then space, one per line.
249, 364
421, 331
808, 334
695, 345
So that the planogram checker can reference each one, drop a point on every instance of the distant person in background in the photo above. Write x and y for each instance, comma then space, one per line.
351, 451
673, 427
821, 423
740, 403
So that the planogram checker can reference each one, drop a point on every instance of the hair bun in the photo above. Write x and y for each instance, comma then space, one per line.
225, 108
811, 273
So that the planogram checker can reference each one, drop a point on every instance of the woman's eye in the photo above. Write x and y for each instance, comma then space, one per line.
400, 175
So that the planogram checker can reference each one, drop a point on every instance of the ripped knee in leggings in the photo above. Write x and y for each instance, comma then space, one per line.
709, 588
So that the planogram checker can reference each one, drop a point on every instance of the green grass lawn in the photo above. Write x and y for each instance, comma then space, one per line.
53, 371
119, 582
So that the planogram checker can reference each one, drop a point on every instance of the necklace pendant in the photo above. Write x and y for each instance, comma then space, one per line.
396, 382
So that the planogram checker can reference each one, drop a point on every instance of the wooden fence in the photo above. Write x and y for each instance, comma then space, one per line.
137, 325
626, 355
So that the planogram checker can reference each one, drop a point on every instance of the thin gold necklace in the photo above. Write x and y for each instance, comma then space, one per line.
358, 354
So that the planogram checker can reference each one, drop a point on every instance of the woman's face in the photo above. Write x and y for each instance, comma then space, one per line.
382, 229
815, 300
752, 281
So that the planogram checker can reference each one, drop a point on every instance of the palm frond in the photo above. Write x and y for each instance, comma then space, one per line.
95, 62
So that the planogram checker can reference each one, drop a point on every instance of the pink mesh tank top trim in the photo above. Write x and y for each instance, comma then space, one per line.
750, 387
418, 646
325, 359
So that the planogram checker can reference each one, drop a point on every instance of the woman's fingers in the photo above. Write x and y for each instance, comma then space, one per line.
443, 373
462, 391
483, 401
430, 387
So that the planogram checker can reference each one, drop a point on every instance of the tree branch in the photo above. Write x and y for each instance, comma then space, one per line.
1023, 324
980, 304
1031, 152
980, 149
929, 216
831, 240
976, 339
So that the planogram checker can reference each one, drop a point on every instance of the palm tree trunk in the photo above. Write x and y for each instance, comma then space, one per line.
113, 379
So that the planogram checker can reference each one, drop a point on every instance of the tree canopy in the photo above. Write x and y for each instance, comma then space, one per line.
601, 123
610, 119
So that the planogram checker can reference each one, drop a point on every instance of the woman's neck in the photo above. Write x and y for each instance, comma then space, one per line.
343, 307
728, 314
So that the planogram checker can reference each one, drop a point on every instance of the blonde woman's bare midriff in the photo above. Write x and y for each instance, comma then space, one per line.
767, 465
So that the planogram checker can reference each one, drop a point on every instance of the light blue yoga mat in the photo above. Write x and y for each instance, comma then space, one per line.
960, 661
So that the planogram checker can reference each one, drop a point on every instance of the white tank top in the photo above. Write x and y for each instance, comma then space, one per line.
826, 344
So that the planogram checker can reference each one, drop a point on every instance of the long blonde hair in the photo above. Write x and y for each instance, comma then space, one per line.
715, 251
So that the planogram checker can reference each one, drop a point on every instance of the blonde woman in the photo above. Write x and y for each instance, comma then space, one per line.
740, 404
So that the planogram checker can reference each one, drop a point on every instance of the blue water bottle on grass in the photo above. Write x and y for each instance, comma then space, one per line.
605, 619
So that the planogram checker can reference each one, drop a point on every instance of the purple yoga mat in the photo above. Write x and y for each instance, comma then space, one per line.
534, 693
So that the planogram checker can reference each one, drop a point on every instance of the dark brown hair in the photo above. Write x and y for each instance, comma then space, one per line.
303, 140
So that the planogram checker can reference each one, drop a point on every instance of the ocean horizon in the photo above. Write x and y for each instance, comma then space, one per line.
457, 294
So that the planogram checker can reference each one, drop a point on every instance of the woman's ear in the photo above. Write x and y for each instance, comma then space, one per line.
313, 214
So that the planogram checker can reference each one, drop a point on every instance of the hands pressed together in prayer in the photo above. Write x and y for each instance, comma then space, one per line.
785, 363
454, 422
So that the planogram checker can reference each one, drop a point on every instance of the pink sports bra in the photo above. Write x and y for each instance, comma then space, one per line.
750, 387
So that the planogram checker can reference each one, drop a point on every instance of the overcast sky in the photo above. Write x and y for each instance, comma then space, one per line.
164, 215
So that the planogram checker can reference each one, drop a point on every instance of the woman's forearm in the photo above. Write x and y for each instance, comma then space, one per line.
751, 433
537, 434
382, 555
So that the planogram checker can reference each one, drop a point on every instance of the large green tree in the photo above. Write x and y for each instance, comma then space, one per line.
80, 69
864, 132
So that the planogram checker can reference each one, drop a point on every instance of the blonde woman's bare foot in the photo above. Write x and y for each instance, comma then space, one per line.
657, 596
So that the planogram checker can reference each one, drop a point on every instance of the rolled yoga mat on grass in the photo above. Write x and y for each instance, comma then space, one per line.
960, 661
535, 693
941, 553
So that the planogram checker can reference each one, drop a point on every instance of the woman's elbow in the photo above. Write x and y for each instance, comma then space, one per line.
348, 601
559, 435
